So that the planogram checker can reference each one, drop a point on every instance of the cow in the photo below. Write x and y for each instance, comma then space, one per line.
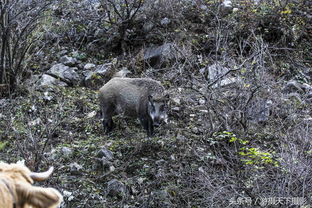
17, 191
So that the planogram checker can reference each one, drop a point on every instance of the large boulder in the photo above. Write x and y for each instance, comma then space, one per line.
103, 160
68, 61
216, 72
49, 81
123, 72
159, 56
75, 168
89, 66
104, 152
116, 188
64, 73
97, 78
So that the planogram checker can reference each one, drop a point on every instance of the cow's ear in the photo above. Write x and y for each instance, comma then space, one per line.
37, 196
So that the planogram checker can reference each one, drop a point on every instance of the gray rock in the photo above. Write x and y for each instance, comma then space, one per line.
176, 109
176, 101
160, 199
96, 79
227, 81
308, 120
202, 101
65, 73
103, 69
203, 7
68, 195
92, 114
80, 66
148, 26
160, 55
195, 130
215, 71
89, 66
160, 162
104, 152
103, 160
165, 21
75, 168
122, 73
68, 61
265, 110
116, 189
227, 4
86, 74
202, 70
63, 52
260, 111
226, 7
103, 164
256, 1
47, 97
160, 174
66, 151
141, 180
49, 81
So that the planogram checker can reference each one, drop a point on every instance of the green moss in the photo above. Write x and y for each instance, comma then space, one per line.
3, 145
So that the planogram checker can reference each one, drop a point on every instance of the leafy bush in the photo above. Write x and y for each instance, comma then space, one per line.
18, 21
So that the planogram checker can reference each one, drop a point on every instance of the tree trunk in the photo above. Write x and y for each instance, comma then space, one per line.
4, 40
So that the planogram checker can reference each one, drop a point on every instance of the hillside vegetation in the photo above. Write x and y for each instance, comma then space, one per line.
239, 76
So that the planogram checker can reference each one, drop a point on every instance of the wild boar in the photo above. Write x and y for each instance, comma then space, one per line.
141, 98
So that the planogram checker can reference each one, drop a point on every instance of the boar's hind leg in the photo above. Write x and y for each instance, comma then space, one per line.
108, 123
147, 123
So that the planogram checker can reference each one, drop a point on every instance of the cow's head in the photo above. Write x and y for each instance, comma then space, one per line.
16, 189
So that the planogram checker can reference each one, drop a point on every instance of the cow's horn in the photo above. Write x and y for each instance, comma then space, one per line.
41, 176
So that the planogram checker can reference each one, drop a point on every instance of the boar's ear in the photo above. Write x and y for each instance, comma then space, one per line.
37, 196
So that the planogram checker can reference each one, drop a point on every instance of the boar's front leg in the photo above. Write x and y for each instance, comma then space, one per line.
147, 124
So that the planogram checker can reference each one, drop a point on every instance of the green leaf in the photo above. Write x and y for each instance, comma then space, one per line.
3, 145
